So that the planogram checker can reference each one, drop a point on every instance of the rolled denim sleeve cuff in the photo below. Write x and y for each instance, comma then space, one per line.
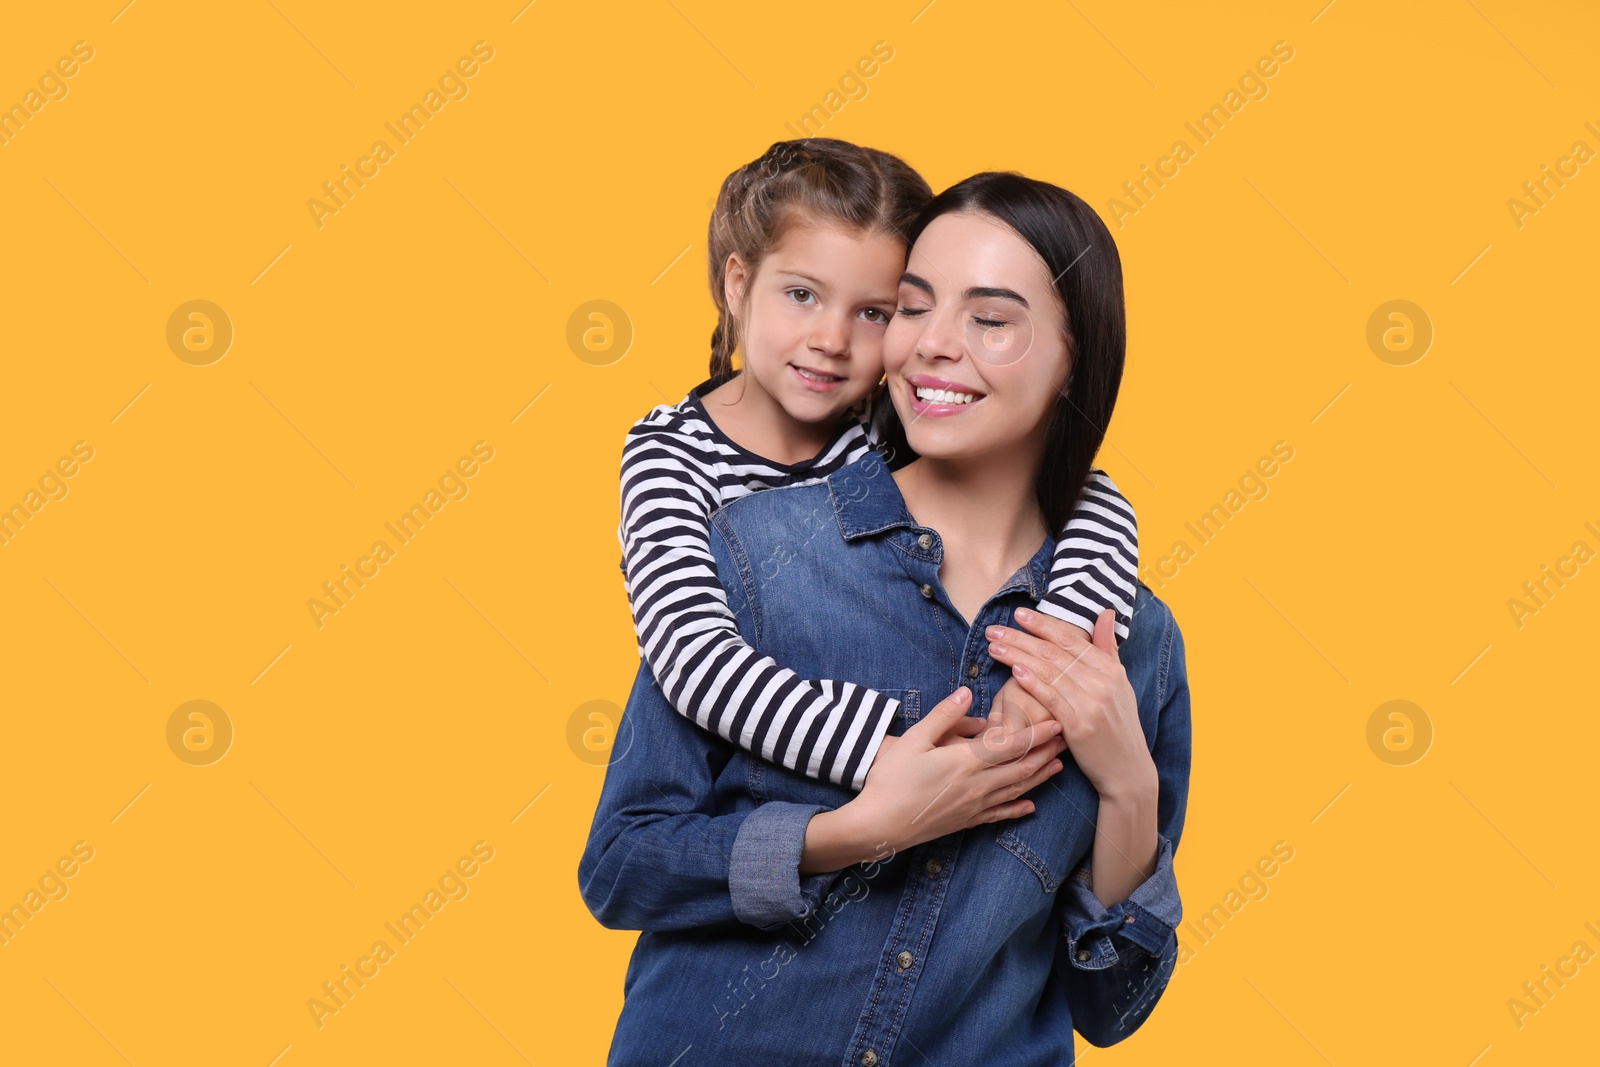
1146, 920
764, 866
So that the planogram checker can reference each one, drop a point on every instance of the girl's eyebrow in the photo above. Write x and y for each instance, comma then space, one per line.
976, 292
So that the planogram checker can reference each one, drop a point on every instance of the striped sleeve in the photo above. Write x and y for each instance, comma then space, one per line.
1096, 559
690, 638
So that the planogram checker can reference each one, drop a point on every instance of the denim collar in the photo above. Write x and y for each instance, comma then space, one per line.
867, 502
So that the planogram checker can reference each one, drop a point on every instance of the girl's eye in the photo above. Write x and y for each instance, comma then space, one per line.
803, 296
875, 314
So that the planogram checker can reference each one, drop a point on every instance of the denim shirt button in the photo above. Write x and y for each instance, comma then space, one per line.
904, 959
927, 590
924, 541
972, 671
868, 1058
1083, 955
933, 867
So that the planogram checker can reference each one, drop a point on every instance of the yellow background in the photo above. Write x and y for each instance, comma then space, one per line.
434, 710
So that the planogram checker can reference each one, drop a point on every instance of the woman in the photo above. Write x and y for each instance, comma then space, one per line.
961, 907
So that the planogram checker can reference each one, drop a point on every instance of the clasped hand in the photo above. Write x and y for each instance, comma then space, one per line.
950, 770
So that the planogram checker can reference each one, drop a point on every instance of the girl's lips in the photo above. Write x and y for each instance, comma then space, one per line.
814, 385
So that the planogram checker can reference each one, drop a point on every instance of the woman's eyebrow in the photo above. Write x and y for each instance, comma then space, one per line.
996, 293
976, 292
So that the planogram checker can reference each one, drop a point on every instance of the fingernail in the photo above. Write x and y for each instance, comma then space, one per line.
996, 648
994, 633
1020, 671
1024, 615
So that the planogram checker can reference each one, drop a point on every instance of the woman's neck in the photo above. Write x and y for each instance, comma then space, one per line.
987, 513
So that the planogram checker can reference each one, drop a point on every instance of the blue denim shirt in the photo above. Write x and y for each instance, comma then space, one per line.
983, 946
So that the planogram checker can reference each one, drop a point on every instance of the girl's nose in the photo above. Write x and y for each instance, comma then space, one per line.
831, 337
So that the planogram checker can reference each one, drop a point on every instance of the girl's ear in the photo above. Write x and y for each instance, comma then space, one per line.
735, 280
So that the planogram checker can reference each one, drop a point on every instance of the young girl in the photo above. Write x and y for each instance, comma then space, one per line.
806, 249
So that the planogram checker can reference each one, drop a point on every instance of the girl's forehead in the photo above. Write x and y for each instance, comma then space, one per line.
837, 250
805, 229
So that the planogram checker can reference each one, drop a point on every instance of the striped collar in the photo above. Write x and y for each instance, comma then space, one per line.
694, 403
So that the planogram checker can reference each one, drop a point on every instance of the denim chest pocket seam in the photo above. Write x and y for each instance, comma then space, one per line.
910, 710
1013, 843
1050, 841
908, 714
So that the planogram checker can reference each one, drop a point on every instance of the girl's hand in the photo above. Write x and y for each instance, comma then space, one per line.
1083, 685
1013, 707
969, 726
936, 778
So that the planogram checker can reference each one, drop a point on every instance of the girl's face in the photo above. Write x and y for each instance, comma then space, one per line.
976, 355
812, 318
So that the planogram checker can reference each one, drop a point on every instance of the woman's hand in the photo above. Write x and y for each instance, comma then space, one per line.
1015, 707
1081, 682
946, 773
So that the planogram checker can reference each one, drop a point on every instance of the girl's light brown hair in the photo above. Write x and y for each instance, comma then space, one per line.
820, 179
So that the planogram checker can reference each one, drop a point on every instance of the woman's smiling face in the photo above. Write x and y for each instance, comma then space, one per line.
976, 355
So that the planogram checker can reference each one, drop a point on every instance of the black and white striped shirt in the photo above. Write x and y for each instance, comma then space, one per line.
677, 470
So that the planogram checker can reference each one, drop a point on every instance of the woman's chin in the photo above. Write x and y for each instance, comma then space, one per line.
940, 446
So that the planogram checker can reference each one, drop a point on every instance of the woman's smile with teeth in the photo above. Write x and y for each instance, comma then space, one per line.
943, 396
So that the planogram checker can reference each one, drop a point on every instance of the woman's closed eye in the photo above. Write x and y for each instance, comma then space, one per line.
986, 323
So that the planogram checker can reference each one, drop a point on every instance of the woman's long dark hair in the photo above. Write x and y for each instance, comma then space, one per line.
1077, 248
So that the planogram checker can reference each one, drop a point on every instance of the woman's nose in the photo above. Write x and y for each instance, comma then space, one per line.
941, 337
